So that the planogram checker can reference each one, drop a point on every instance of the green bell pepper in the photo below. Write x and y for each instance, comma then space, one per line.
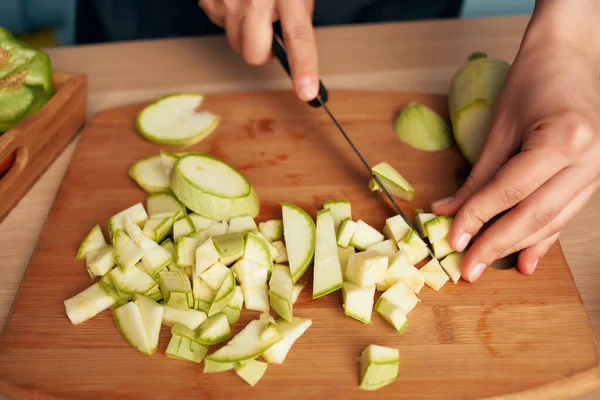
25, 80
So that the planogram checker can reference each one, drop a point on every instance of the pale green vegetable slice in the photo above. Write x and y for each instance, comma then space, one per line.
159, 226
401, 295
393, 314
176, 289
89, 303
300, 234
291, 331
242, 224
451, 265
155, 258
434, 275
379, 366
201, 222
441, 248
374, 186
395, 228
340, 209
182, 228
205, 257
253, 340
400, 269
214, 330
215, 366
131, 325
421, 219
132, 280
250, 273
183, 348
152, 315
256, 297
387, 248
168, 160
422, 128
395, 183
296, 290
438, 227
223, 296
252, 371
365, 235
175, 120
102, 262
149, 174
414, 247
234, 308
282, 255
215, 275
358, 301
281, 289
344, 254
272, 229
126, 252
257, 249
366, 268
220, 228
345, 232
166, 202
94, 241
190, 317
473, 93
203, 294
186, 251
213, 188
327, 275
136, 212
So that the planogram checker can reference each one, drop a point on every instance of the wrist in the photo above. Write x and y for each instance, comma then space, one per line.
561, 24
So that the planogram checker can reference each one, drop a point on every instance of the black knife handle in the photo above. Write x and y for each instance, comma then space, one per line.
281, 55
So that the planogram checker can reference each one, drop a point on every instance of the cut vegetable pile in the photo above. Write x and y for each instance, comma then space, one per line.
195, 257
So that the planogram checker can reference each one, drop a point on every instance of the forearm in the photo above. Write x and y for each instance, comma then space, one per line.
567, 23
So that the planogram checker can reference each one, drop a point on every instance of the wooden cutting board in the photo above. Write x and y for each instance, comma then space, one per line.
506, 334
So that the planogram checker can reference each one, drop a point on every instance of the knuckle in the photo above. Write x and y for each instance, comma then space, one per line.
470, 184
254, 58
540, 218
298, 32
578, 134
472, 213
508, 196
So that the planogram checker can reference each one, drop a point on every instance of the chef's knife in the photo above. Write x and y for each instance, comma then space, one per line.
280, 52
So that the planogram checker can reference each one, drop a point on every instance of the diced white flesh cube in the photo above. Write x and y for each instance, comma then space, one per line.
205, 257
365, 235
387, 248
345, 232
344, 253
358, 301
366, 268
435, 277
242, 224
441, 248
395, 228
89, 303
400, 295
400, 269
420, 221
451, 264
437, 228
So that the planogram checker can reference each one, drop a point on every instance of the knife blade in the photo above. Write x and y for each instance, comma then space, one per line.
280, 53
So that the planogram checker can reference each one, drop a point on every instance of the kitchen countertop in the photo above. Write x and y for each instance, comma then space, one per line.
411, 56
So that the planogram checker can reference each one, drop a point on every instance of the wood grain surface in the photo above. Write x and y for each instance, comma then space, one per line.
38, 139
507, 334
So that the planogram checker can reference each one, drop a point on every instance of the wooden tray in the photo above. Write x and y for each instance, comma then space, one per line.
39, 138
508, 335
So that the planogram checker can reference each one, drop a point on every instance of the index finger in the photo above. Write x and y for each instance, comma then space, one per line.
299, 37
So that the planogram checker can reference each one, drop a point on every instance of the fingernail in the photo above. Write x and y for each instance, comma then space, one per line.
476, 272
306, 89
533, 265
442, 202
463, 241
